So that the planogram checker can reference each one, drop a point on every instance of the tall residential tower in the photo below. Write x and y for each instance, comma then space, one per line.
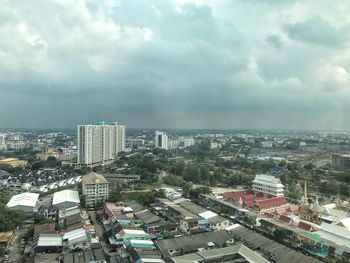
99, 144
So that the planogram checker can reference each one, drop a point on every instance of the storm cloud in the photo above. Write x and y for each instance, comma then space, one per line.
175, 63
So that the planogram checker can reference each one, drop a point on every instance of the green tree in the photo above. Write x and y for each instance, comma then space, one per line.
204, 173
280, 234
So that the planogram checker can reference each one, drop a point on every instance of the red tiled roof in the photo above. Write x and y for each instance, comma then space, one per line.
285, 219
238, 195
259, 195
260, 198
269, 215
249, 196
228, 195
304, 226
272, 202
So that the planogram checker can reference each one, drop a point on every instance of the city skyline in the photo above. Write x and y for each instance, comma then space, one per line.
177, 64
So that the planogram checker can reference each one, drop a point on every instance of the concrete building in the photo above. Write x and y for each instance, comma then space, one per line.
25, 202
173, 144
46, 153
161, 140
341, 161
99, 144
234, 253
95, 189
119, 138
65, 199
3, 142
48, 243
188, 142
268, 185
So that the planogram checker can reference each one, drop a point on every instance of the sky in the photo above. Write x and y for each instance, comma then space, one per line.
225, 64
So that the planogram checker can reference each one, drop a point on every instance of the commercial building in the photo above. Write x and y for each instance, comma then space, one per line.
272, 250
77, 238
65, 199
95, 189
48, 243
341, 161
94, 255
161, 140
268, 185
99, 144
188, 142
235, 253
192, 243
25, 202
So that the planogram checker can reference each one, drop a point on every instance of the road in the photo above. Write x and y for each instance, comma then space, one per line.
99, 232
15, 250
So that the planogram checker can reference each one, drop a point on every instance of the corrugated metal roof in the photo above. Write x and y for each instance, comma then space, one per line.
50, 240
24, 199
65, 196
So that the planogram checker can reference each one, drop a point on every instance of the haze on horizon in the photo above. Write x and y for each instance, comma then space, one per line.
240, 64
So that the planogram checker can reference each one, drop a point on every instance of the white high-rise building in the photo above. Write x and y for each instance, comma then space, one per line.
120, 138
3, 142
99, 144
161, 140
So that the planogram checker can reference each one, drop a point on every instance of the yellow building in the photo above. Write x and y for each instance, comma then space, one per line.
14, 162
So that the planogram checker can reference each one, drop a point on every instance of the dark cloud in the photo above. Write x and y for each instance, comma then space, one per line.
316, 31
161, 63
274, 41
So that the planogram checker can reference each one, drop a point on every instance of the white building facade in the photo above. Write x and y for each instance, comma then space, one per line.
99, 144
268, 185
95, 189
161, 140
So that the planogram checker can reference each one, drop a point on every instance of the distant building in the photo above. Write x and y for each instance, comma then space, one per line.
188, 142
119, 138
161, 140
46, 153
25, 202
341, 161
14, 162
3, 142
99, 144
95, 189
173, 144
268, 185
215, 145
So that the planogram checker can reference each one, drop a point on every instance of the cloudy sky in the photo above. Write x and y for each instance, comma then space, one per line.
175, 63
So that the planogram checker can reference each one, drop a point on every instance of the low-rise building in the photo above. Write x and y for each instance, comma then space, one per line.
65, 199
235, 253
48, 243
268, 185
25, 202
77, 238
95, 189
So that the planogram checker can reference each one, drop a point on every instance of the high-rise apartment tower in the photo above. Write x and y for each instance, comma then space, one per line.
99, 144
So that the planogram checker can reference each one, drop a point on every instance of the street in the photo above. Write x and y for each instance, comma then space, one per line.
15, 250
99, 232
